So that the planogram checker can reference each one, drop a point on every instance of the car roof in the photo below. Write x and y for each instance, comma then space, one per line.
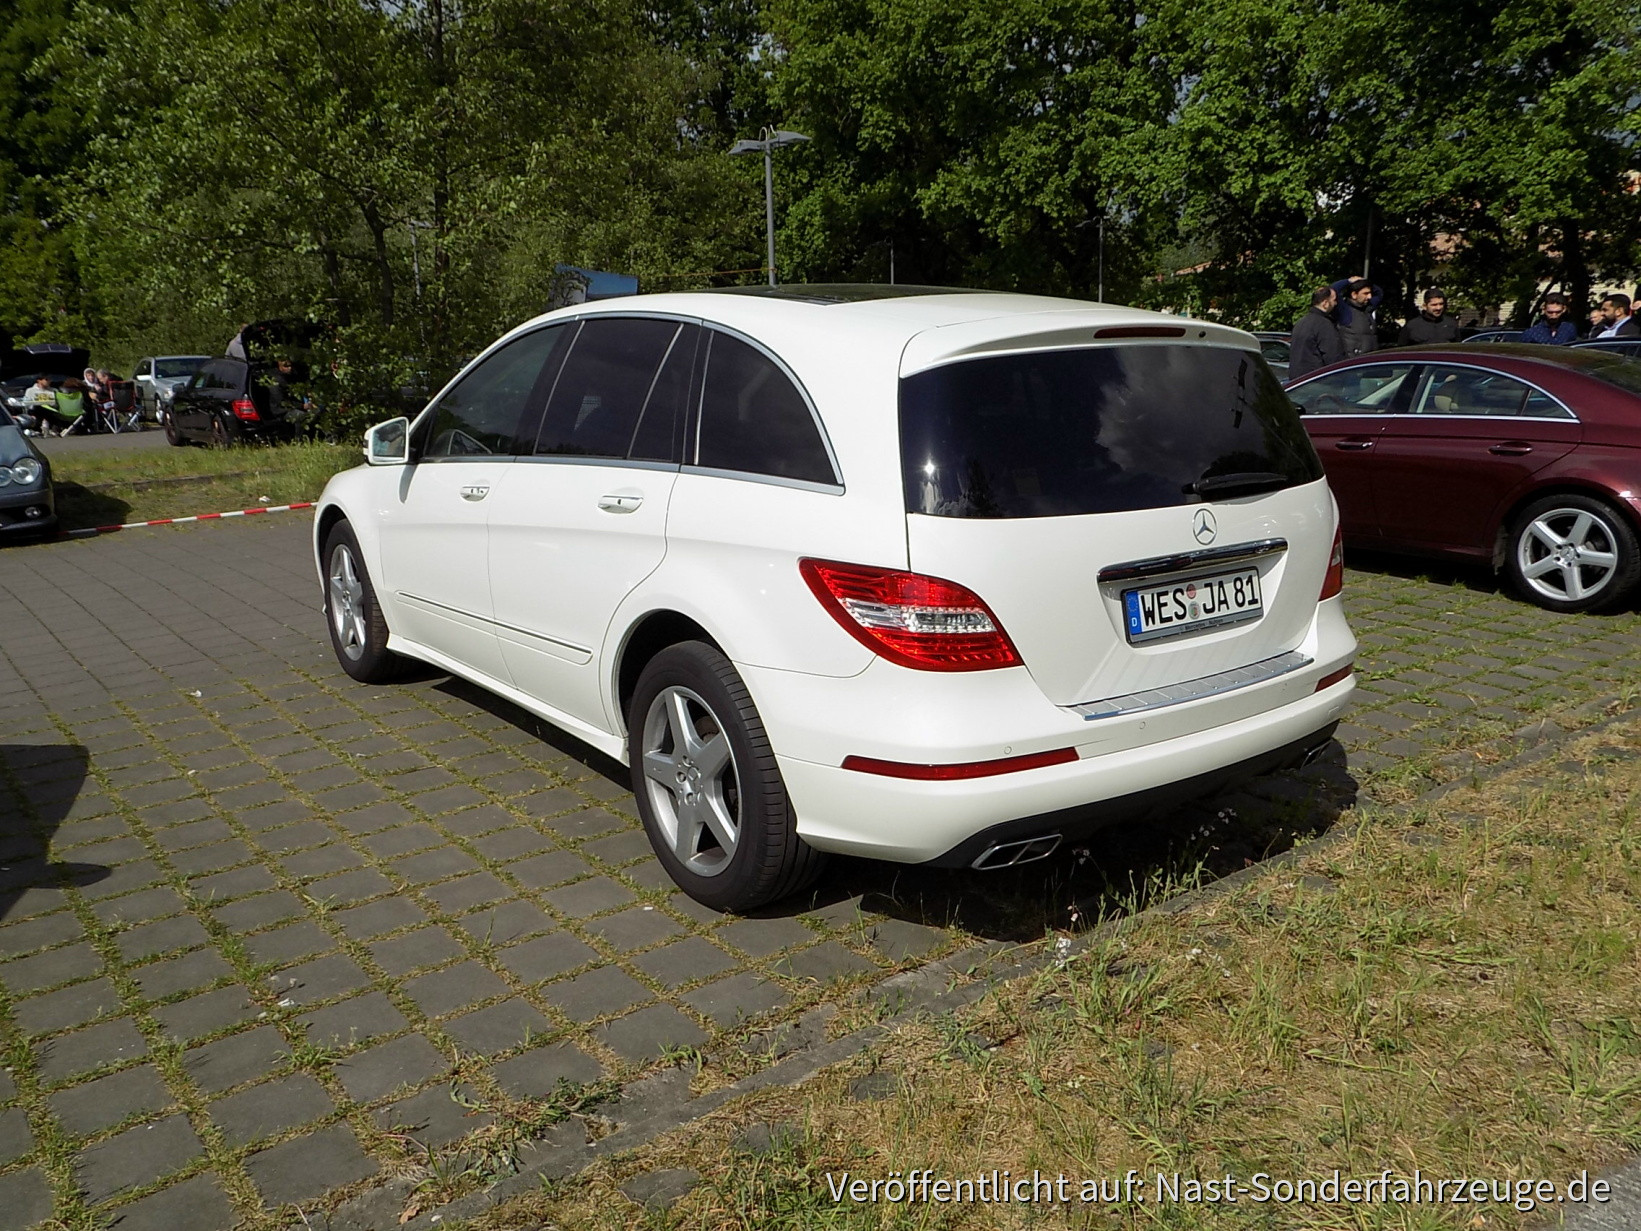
946, 322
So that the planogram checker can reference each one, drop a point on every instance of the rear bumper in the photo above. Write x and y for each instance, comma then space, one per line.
1125, 766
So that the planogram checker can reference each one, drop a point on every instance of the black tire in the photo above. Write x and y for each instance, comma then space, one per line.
769, 861
172, 436
358, 631
1550, 537
221, 437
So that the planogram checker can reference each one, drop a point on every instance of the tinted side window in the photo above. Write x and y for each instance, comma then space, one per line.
660, 433
753, 418
482, 414
600, 395
222, 375
1468, 391
1355, 391
1543, 406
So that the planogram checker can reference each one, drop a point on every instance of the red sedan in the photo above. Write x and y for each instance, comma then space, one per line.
1524, 457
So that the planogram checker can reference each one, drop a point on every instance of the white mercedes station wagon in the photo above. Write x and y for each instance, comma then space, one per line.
940, 577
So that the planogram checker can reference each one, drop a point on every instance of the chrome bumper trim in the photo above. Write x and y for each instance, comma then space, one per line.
1194, 690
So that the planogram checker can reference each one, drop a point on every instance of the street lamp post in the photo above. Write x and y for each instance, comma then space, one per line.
773, 139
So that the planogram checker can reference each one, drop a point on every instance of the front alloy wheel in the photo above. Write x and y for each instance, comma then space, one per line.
358, 630
1573, 553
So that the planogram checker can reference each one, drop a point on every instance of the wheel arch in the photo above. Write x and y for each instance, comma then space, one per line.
649, 635
323, 524
1561, 487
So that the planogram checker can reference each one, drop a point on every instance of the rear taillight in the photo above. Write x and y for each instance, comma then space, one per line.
245, 409
910, 619
1334, 581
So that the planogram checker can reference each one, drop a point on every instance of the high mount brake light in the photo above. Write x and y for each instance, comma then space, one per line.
1334, 580
910, 619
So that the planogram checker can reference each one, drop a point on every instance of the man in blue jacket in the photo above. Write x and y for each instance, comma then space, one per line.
1553, 328
1358, 299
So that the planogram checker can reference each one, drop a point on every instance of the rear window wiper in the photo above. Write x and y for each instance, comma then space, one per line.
1242, 481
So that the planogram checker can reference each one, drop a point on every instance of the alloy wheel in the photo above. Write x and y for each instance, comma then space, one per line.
689, 772
347, 603
1567, 554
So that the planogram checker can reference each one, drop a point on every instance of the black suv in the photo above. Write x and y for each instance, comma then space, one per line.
232, 401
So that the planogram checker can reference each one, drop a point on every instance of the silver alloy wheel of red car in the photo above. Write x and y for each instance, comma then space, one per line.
1568, 553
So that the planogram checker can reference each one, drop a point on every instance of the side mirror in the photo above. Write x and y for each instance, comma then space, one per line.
388, 444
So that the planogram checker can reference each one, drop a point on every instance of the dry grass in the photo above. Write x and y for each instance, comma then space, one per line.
1454, 991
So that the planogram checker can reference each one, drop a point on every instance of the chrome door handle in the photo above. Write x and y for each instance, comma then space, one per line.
620, 502
1511, 448
475, 491
1353, 444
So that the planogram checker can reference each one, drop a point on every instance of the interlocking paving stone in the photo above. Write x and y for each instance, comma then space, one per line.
321, 861
307, 1166
15, 1138
684, 961
369, 1074
761, 937
546, 957
26, 974
448, 990
25, 1195
140, 907
93, 1106
165, 936
378, 918
638, 928
238, 1058
506, 923
288, 944
323, 979
729, 1001
498, 1028
32, 934
240, 882
432, 1117
597, 993
467, 892
72, 1006
199, 1016
196, 1204
212, 858
589, 897
270, 1108
536, 1074
137, 1157
546, 870
353, 1021
821, 962
648, 1033
68, 1055
429, 946
263, 910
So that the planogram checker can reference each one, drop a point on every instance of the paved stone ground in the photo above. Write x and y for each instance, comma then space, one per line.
257, 921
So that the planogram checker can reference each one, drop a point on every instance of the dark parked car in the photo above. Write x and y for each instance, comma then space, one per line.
1522, 457
1629, 348
1492, 335
229, 401
1276, 349
27, 504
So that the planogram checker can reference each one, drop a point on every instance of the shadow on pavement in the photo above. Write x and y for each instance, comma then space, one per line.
51, 777
80, 508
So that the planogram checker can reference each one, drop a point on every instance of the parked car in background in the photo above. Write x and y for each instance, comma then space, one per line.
1628, 348
1276, 349
157, 379
1492, 335
27, 502
230, 401
1020, 568
1526, 458
21, 367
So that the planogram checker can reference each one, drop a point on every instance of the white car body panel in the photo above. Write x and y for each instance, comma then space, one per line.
534, 590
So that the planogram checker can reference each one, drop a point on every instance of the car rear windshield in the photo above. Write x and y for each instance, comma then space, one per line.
1098, 430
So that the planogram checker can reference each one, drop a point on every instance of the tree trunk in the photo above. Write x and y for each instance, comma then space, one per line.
1575, 273
384, 266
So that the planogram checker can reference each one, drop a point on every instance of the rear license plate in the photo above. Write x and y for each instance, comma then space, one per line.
1154, 612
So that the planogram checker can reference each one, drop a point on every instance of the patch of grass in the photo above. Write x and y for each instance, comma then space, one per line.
1451, 989
100, 487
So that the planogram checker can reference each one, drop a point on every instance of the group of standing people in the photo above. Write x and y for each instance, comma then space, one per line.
1340, 323
65, 411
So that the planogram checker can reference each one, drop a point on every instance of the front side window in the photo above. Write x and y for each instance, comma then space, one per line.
604, 397
1369, 390
1097, 430
754, 420
482, 414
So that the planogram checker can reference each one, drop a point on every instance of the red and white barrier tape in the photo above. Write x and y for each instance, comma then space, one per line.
175, 521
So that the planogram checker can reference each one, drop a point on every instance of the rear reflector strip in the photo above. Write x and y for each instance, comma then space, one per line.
1334, 677
965, 769
1194, 690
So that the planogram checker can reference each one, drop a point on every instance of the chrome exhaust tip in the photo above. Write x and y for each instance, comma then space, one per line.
1313, 755
1011, 854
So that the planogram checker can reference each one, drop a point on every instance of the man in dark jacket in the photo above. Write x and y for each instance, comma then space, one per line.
1315, 341
1616, 319
1431, 325
1358, 299
1553, 328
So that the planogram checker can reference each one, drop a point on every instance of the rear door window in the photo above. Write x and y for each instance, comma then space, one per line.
483, 414
754, 420
1470, 392
1097, 430
601, 400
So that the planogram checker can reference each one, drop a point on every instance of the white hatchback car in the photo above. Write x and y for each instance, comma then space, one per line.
920, 575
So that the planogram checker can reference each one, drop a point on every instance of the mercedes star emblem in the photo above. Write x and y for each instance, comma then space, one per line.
1204, 527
